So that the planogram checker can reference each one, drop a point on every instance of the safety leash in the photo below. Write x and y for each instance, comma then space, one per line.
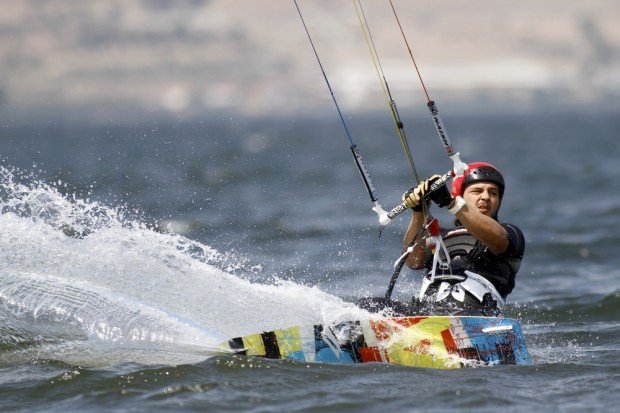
361, 16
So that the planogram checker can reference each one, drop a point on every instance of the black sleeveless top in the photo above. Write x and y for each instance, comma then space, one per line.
468, 253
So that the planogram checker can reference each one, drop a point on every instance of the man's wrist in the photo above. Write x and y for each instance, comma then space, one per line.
456, 205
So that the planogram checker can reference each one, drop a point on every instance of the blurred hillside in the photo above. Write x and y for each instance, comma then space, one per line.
127, 60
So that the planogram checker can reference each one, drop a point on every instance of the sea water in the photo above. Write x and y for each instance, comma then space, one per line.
128, 253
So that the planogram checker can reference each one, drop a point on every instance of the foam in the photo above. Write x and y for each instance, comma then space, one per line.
66, 260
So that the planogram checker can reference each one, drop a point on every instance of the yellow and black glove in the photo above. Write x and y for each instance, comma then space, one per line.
413, 198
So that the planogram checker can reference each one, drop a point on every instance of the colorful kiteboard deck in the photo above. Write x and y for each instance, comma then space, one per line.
442, 342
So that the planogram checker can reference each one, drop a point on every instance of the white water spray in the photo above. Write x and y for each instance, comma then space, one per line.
70, 262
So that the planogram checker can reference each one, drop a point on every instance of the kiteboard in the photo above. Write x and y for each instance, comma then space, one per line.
441, 342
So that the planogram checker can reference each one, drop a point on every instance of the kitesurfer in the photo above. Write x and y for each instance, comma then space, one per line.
485, 254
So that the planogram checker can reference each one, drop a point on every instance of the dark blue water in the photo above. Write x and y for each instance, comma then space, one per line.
128, 252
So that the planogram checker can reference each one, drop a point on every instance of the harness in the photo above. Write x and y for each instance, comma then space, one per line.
457, 285
461, 264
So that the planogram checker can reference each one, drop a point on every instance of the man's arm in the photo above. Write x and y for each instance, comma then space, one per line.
415, 199
484, 228
417, 257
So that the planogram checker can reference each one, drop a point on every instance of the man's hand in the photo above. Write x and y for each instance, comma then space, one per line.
413, 197
441, 196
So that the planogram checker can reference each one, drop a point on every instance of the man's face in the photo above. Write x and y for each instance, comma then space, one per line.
484, 197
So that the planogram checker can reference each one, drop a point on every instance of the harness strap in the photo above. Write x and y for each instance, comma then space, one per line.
437, 260
474, 283
478, 286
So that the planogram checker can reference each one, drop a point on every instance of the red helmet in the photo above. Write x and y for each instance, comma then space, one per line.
478, 172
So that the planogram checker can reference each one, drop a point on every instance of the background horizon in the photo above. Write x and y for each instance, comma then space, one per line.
159, 59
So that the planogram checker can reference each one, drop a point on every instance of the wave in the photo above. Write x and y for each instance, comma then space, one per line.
586, 308
98, 277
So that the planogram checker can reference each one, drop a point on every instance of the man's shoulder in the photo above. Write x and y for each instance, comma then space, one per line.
511, 227
516, 241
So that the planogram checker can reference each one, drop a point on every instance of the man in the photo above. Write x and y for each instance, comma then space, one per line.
485, 255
